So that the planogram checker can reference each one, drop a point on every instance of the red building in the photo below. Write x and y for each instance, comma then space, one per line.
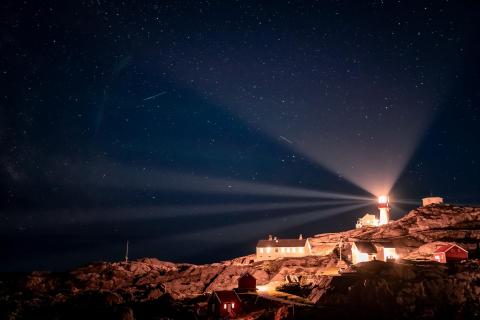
225, 304
450, 252
247, 283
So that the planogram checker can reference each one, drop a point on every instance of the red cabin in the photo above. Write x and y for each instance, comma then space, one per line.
449, 253
247, 283
224, 304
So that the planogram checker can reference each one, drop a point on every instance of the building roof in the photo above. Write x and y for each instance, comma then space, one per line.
368, 216
227, 296
385, 244
282, 243
447, 247
247, 275
365, 247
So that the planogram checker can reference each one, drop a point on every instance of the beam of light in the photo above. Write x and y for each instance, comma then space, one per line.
351, 123
109, 175
236, 233
51, 218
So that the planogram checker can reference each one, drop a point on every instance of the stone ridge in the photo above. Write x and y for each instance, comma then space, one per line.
127, 288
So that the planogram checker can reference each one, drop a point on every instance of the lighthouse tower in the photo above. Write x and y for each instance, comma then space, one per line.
384, 209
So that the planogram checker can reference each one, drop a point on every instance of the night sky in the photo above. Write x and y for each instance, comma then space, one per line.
195, 128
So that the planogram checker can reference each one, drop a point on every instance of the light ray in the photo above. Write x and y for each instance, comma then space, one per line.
132, 213
109, 175
236, 233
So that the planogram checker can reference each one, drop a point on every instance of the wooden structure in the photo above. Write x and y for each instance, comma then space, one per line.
449, 253
386, 251
224, 304
363, 251
274, 248
247, 283
368, 220
431, 200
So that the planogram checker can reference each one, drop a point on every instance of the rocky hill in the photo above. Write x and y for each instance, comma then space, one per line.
153, 289
422, 226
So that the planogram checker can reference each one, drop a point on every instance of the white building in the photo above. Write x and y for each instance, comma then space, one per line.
368, 220
363, 251
431, 200
275, 248
386, 251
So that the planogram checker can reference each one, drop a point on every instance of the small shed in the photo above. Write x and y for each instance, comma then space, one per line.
431, 200
224, 304
368, 220
450, 253
247, 283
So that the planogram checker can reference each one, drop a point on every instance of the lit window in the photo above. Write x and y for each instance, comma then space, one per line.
283, 249
260, 250
300, 249
224, 306
293, 250
233, 305
268, 249
288, 249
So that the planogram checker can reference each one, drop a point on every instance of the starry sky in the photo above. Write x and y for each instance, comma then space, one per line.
195, 128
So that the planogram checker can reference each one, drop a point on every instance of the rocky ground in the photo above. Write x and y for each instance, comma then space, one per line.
153, 289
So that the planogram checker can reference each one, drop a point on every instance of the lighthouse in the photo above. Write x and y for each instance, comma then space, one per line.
384, 209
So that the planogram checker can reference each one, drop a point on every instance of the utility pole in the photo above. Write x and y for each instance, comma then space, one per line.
341, 243
126, 253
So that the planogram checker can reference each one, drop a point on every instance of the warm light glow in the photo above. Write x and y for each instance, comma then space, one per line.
268, 287
262, 288
390, 253
224, 306
233, 305
383, 199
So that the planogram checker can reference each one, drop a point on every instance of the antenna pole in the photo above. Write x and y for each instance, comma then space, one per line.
341, 240
126, 253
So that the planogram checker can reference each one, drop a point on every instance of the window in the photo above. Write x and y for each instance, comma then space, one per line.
293, 250
288, 250
283, 249
300, 249
268, 249
276, 249
260, 250
224, 306
233, 305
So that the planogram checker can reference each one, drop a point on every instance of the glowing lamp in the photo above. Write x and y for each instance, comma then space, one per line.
384, 210
383, 199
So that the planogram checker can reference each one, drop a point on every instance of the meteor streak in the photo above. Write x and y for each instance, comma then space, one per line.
154, 96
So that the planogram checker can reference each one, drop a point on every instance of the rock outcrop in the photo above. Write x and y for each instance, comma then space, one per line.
148, 287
